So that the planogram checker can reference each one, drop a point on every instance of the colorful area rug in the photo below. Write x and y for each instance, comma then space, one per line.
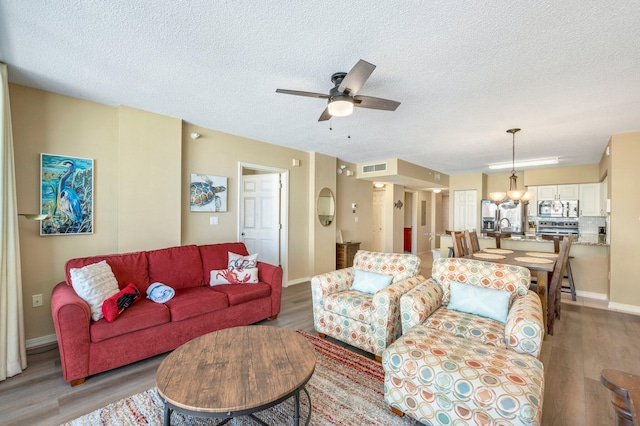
346, 389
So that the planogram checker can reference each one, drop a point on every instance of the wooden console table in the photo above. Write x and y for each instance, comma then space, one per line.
345, 252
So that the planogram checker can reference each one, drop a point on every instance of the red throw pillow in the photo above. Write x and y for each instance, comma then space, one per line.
113, 306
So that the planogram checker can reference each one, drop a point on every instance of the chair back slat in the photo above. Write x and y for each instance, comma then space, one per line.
473, 245
556, 279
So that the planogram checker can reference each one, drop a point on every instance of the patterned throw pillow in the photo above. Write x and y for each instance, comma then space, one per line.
234, 276
94, 283
114, 305
237, 261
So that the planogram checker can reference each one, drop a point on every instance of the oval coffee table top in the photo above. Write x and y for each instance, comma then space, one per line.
236, 369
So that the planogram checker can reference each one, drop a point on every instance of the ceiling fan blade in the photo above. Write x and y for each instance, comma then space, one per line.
325, 115
299, 93
375, 103
354, 80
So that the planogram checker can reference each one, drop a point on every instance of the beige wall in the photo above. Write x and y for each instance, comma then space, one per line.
204, 156
322, 239
142, 170
149, 180
562, 175
623, 178
351, 190
44, 122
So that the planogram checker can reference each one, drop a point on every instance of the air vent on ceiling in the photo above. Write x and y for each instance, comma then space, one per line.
370, 168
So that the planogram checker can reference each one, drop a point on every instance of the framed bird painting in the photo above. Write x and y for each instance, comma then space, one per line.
66, 195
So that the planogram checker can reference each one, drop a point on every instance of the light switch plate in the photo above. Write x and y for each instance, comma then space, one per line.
213, 220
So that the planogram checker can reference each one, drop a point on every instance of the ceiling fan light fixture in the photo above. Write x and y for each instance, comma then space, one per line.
340, 106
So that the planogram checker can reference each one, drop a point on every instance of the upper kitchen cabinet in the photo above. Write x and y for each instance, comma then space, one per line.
465, 210
590, 199
603, 197
559, 192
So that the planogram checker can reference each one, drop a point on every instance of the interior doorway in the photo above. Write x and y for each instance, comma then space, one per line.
263, 213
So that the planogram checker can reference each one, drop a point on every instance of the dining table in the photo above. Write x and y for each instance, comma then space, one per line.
540, 264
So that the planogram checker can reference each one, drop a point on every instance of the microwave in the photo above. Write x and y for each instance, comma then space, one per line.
557, 208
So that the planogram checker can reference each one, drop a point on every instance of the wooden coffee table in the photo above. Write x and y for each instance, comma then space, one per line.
235, 372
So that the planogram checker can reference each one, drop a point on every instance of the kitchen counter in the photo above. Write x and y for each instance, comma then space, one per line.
583, 239
589, 262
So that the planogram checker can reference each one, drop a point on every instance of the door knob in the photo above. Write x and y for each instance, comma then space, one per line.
242, 234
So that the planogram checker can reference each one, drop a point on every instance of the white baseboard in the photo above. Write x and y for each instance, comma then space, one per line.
591, 295
621, 307
41, 341
298, 281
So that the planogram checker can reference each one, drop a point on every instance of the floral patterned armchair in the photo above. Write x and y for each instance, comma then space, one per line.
368, 321
451, 367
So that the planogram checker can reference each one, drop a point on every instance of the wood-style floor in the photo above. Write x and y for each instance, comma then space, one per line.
586, 341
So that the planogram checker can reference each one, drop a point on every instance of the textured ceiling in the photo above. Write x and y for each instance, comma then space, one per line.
567, 73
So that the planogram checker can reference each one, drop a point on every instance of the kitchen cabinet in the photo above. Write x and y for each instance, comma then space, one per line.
589, 199
603, 197
559, 192
532, 208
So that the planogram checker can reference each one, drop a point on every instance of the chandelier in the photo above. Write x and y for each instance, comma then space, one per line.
514, 194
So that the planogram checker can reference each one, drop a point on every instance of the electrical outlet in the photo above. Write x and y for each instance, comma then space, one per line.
37, 300
213, 220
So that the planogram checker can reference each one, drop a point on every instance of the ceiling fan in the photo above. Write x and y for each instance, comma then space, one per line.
342, 97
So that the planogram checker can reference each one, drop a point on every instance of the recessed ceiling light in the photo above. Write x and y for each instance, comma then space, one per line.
437, 190
526, 163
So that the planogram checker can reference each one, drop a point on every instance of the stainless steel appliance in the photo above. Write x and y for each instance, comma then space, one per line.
489, 212
557, 208
557, 226
505, 217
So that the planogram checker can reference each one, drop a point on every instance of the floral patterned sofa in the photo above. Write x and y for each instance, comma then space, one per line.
368, 321
457, 367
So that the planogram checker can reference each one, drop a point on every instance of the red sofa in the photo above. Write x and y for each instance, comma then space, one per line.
147, 328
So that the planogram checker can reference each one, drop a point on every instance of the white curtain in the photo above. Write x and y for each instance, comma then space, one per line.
13, 357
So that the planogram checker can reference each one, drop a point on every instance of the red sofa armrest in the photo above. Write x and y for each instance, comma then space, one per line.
272, 275
72, 318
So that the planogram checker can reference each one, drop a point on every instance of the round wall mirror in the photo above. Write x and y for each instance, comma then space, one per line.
326, 207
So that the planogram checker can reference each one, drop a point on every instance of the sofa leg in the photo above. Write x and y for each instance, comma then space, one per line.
77, 382
322, 335
378, 358
273, 317
397, 412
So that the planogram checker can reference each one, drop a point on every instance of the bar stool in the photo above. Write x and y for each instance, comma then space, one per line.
568, 274
498, 236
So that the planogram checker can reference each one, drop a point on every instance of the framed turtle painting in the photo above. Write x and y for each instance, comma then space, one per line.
208, 193
66, 195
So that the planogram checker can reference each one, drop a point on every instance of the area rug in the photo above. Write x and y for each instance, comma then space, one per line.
346, 389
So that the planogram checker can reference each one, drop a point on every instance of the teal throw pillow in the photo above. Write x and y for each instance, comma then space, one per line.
485, 302
370, 282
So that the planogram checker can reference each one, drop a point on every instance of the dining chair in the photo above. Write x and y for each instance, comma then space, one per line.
459, 244
473, 245
568, 273
498, 236
553, 304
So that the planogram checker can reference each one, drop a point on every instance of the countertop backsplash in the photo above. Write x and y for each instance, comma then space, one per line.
589, 225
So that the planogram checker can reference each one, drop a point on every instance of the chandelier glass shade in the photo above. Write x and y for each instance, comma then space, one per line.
514, 194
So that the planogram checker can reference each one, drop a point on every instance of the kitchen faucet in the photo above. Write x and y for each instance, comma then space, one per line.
500, 223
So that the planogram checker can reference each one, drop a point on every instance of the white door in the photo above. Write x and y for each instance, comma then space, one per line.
260, 216
378, 220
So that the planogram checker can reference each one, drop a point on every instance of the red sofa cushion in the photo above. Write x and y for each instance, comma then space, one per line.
191, 302
216, 256
242, 293
144, 314
127, 267
178, 267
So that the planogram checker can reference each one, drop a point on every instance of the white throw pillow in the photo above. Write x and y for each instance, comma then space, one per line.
94, 284
234, 276
238, 261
